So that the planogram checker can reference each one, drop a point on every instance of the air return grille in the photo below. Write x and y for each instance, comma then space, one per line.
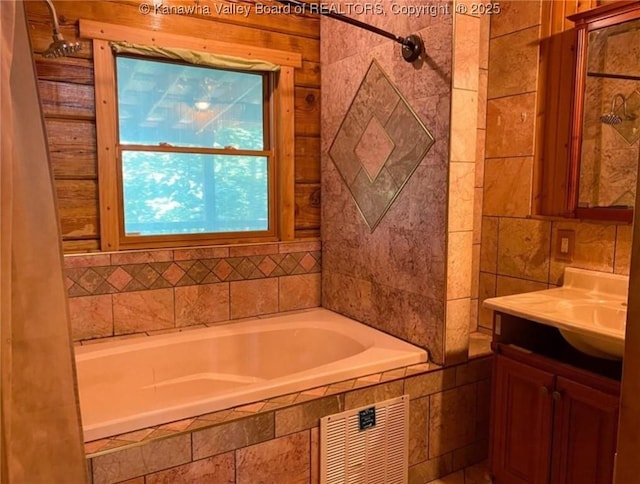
377, 455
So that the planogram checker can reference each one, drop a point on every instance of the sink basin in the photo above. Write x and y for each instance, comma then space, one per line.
589, 310
593, 316
591, 345
599, 315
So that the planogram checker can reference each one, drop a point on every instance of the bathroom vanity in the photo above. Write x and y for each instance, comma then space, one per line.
556, 381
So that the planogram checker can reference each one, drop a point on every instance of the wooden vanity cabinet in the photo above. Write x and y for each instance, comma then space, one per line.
521, 422
551, 423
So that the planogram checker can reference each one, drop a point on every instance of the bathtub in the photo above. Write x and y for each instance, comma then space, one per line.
140, 382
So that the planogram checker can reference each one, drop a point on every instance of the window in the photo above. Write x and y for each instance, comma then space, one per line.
194, 151
186, 155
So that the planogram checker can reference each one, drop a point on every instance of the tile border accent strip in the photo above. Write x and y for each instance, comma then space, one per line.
115, 273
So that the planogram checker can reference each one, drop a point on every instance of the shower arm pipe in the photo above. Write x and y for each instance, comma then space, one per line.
54, 17
412, 45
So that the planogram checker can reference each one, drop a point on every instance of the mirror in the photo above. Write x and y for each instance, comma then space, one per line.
605, 141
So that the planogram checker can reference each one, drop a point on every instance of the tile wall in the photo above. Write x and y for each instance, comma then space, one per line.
517, 251
393, 277
278, 440
481, 136
470, 55
154, 291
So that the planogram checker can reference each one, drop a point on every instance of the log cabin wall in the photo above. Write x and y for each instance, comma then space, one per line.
67, 97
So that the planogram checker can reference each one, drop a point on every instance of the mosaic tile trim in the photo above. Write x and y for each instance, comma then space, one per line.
139, 437
379, 145
118, 278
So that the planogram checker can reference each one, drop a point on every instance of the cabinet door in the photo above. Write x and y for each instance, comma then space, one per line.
585, 429
522, 420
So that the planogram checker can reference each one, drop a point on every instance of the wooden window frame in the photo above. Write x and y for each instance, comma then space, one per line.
281, 212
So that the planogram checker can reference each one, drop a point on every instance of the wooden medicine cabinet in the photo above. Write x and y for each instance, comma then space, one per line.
591, 144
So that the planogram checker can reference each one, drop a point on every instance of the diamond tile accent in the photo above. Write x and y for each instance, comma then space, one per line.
160, 283
185, 281
105, 288
278, 271
119, 279
160, 267
289, 263
90, 280
146, 275
198, 271
222, 270
76, 290
210, 263
210, 279
185, 265
173, 273
105, 271
235, 276
246, 268
277, 258
307, 262
379, 145
374, 148
135, 285
235, 261
256, 274
267, 266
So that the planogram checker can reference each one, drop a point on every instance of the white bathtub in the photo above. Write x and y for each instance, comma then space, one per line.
140, 382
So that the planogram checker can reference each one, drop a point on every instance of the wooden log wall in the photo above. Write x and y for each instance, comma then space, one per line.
67, 97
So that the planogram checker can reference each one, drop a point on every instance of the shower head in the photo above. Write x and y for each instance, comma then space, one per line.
611, 117
59, 47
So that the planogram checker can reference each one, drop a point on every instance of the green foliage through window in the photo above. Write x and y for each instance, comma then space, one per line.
179, 126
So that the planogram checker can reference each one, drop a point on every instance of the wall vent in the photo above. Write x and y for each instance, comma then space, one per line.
378, 454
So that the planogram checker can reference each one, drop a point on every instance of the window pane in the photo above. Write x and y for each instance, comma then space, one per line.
185, 105
181, 193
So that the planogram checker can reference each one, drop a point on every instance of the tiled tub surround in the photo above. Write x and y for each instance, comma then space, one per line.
394, 277
113, 294
186, 374
276, 440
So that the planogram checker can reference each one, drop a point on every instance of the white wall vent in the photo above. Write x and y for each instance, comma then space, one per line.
377, 454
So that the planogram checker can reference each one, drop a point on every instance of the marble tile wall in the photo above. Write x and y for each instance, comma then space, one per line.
278, 440
483, 76
470, 57
517, 252
153, 291
393, 277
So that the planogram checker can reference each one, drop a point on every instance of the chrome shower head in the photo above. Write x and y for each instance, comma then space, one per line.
611, 117
59, 47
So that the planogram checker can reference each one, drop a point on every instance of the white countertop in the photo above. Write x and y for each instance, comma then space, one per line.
589, 310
